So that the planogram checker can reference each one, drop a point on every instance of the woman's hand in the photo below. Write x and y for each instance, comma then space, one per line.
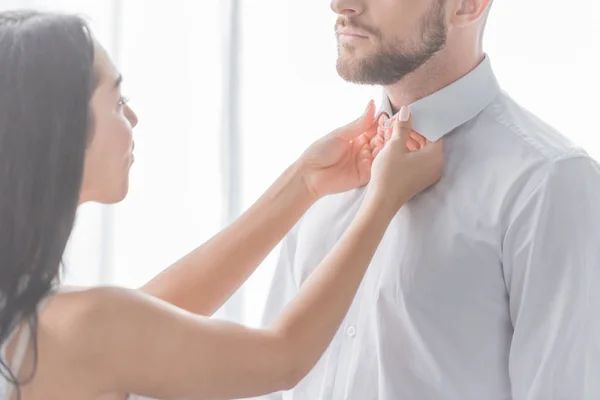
204, 279
341, 160
385, 124
399, 173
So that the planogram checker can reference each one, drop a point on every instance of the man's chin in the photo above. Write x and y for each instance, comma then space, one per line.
353, 71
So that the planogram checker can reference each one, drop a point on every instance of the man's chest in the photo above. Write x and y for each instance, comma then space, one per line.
432, 307
434, 251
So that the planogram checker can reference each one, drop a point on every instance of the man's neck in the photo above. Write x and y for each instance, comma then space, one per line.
440, 71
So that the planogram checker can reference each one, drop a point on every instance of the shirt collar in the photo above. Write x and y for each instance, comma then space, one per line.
439, 113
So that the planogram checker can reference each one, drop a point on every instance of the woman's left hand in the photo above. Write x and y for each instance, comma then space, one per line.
341, 160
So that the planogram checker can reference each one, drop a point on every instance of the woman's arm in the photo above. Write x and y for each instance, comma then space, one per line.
130, 342
149, 347
203, 280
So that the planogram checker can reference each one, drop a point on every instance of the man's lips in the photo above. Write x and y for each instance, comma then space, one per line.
351, 33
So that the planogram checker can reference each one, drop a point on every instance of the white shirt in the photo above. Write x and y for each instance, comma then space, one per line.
487, 285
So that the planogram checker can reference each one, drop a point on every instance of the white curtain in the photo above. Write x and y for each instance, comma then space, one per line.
174, 59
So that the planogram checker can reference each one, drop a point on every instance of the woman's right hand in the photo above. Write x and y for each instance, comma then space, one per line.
398, 174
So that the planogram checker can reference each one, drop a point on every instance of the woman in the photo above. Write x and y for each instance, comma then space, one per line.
66, 139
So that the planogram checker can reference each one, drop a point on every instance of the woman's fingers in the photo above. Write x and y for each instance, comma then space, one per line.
414, 142
357, 127
420, 139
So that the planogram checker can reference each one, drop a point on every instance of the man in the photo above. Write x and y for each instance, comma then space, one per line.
487, 285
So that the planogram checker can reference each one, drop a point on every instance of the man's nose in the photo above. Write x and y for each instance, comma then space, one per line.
347, 8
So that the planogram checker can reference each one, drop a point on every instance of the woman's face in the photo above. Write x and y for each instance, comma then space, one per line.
110, 152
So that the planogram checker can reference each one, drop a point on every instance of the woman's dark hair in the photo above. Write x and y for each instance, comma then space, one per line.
46, 82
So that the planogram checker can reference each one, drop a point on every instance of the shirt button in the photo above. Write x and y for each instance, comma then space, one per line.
351, 331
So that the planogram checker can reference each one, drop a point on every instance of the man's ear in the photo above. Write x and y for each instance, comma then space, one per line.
468, 12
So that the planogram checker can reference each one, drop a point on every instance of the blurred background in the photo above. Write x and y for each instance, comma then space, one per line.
230, 92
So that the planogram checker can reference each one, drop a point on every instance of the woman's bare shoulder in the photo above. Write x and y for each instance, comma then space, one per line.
76, 328
81, 321
89, 318
106, 332
78, 310
73, 304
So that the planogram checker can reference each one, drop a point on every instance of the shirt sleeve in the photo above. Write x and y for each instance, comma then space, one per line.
551, 260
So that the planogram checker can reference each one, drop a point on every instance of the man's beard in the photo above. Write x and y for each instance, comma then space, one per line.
393, 62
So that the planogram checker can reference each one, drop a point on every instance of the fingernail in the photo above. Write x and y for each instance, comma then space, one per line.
404, 113
388, 123
368, 106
